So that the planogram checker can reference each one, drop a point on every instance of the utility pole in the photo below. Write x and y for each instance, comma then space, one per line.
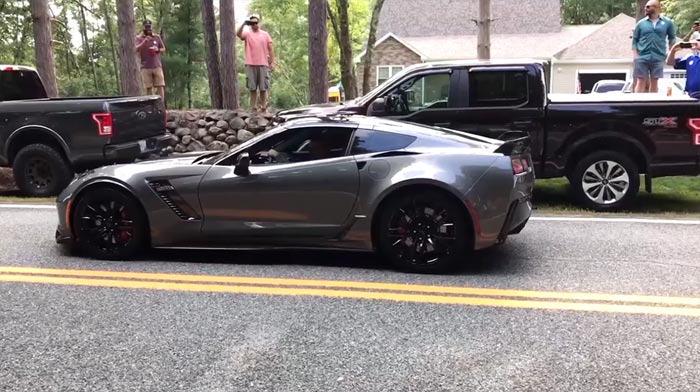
484, 37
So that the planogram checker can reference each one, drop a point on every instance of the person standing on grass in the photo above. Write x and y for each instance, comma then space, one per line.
259, 60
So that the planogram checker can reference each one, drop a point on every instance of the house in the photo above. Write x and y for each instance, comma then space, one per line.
435, 30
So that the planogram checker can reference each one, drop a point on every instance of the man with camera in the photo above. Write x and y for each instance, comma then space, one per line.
149, 46
259, 60
690, 63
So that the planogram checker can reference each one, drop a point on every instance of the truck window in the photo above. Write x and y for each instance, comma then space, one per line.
497, 88
17, 85
419, 93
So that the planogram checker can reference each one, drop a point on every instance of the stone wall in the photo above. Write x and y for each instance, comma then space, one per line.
200, 130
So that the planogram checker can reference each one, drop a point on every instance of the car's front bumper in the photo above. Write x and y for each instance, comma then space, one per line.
64, 235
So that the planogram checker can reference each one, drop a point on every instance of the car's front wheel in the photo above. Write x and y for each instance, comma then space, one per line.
424, 232
109, 224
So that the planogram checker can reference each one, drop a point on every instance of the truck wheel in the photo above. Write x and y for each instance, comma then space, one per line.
605, 181
40, 171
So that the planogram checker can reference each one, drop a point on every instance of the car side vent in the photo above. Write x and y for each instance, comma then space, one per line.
394, 154
173, 200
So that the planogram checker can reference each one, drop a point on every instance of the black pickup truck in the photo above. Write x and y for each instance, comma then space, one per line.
46, 140
600, 142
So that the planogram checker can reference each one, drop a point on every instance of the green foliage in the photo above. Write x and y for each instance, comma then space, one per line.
683, 13
578, 12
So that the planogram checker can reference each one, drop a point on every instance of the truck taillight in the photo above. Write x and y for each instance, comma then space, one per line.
694, 125
519, 165
104, 123
8, 69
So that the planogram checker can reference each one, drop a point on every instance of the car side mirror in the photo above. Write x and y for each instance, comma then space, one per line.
242, 165
377, 107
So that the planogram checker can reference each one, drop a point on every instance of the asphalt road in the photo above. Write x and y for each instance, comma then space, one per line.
217, 331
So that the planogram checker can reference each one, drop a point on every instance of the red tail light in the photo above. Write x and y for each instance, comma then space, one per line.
520, 165
104, 123
8, 69
694, 125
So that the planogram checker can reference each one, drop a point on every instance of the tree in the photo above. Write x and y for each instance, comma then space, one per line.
341, 28
641, 12
229, 72
318, 52
371, 39
128, 64
578, 12
211, 48
43, 50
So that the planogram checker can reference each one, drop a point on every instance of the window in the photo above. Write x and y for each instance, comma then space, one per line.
17, 85
497, 88
384, 72
299, 145
367, 141
420, 93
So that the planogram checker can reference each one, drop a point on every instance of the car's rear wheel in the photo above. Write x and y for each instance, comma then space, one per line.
424, 232
605, 181
109, 224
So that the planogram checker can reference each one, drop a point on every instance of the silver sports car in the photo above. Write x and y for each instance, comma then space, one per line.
423, 197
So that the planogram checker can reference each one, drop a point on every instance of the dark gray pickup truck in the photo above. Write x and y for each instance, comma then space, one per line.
46, 140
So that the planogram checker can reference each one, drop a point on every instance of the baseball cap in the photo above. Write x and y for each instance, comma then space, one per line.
254, 16
147, 23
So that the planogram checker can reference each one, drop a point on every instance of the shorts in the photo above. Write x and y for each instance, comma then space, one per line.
152, 77
257, 77
645, 69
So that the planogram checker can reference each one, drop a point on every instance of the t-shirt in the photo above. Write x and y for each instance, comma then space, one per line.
691, 65
150, 59
695, 36
256, 50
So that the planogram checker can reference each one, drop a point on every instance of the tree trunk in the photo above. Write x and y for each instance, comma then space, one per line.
369, 52
110, 33
86, 46
484, 37
43, 50
211, 48
229, 70
347, 68
128, 58
318, 52
641, 11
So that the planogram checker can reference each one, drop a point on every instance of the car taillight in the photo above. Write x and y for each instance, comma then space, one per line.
8, 69
520, 165
104, 123
694, 125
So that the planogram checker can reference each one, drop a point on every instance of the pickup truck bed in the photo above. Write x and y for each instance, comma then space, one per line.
46, 140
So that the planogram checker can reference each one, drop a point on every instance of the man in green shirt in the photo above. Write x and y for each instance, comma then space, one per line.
649, 46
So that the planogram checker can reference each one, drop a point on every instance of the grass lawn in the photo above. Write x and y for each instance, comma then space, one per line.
670, 196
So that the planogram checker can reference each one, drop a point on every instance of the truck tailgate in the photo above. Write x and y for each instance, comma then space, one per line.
135, 118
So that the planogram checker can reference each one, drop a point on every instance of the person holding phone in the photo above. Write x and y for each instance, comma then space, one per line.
149, 46
259, 60
690, 63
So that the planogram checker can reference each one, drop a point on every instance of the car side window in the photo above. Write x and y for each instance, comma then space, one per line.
300, 145
419, 93
497, 88
368, 141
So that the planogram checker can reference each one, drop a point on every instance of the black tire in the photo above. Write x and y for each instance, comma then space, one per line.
41, 171
411, 224
605, 181
109, 224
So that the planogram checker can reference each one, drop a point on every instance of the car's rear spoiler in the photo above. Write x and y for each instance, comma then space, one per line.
516, 146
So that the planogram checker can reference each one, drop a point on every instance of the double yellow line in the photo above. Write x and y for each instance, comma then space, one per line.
451, 295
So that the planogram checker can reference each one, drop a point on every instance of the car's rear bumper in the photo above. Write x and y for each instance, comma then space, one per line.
129, 151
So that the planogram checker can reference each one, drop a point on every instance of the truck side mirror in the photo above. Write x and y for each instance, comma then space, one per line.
242, 165
378, 106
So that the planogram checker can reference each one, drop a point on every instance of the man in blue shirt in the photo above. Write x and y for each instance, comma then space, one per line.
649, 46
691, 64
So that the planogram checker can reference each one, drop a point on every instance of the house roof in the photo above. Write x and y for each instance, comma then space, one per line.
541, 46
421, 18
613, 40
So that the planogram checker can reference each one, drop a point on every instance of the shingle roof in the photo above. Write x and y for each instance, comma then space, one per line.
613, 40
540, 46
421, 18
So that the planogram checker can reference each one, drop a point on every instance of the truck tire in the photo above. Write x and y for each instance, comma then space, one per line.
605, 181
41, 171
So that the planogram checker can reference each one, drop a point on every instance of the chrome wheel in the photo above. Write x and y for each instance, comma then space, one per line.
421, 233
605, 182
